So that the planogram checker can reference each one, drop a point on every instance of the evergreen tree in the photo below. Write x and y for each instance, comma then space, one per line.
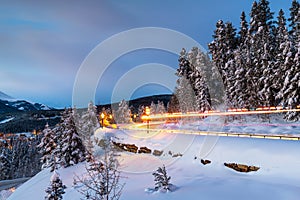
285, 61
47, 147
185, 95
56, 189
153, 108
72, 150
240, 85
291, 88
254, 20
265, 15
5, 165
162, 180
281, 27
173, 105
141, 111
123, 113
294, 22
243, 29
87, 126
218, 50
202, 95
160, 108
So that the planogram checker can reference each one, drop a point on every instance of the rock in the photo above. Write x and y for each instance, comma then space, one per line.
176, 155
241, 167
157, 153
131, 148
144, 150
205, 162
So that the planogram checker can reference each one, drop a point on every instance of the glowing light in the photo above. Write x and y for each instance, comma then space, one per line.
147, 110
102, 115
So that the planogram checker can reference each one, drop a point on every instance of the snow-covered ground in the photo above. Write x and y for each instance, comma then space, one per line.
277, 178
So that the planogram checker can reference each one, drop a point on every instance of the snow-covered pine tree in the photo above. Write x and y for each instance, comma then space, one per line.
265, 16
218, 50
254, 21
162, 180
294, 22
230, 65
192, 86
259, 56
281, 27
87, 126
153, 107
32, 159
160, 108
240, 60
89, 120
47, 148
123, 113
56, 188
243, 29
71, 148
199, 75
291, 89
76, 116
5, 164
185, 95
284, 61
173, 105
283, 57
141, 111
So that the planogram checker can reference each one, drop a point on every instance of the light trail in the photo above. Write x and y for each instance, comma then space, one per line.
217, 113
221, 134
158, 119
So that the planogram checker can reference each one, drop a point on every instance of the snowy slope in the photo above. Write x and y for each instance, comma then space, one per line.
278, 178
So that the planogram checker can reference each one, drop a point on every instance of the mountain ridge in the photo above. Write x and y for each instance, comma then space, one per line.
10, 104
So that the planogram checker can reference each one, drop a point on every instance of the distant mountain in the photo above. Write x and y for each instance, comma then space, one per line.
9, 104
4, 96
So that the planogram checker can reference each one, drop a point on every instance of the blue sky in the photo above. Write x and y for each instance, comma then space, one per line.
43, 43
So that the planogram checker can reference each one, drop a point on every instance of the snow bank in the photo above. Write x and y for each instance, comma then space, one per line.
277, 179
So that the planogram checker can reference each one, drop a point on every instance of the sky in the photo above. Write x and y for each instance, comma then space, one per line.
44, 43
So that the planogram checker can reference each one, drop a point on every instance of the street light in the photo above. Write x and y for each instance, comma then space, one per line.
102, 119
147, 112
134, 117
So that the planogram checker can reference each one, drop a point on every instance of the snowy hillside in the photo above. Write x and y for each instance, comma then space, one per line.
278, 177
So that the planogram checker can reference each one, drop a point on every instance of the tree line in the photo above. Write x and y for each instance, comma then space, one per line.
259, 64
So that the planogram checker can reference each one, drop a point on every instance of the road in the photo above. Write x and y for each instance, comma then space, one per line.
7, 184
